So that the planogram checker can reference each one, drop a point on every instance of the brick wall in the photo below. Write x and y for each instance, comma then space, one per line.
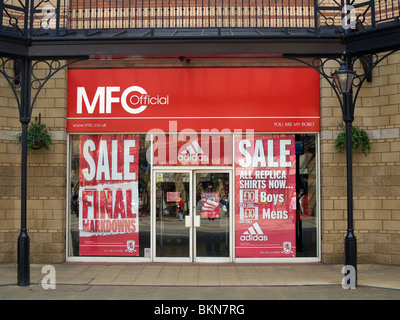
46, 175
184, 13
376, 177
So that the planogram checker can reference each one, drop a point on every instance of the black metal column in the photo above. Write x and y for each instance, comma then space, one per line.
350, 241
25, 117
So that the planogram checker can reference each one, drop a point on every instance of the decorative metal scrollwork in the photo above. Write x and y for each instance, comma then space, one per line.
11, 70
362, 65
40, 72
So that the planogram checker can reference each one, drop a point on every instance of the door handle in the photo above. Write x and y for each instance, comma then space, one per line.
188, 221
196, 221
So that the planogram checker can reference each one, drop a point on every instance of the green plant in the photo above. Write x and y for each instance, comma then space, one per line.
360, 140
38, 137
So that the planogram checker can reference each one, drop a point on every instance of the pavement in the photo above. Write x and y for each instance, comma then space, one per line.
206, 282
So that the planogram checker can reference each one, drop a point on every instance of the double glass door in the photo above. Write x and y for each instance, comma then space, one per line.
192, 218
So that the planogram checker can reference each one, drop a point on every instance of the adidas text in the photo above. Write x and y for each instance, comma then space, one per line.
192, 157
254, 237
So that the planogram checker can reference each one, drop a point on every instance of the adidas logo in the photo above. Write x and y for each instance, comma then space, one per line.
254, 233
210, 205
193, 152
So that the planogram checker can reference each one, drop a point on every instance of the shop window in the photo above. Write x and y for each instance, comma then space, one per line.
275, 196
110, 195
306, 189
275, 186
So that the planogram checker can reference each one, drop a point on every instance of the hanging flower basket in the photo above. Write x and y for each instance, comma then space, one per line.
38, 137
360, 140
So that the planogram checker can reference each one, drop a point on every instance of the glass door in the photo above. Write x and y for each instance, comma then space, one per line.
172, 211
212, 240
191, 216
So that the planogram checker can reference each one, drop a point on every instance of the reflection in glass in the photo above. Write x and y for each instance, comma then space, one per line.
172, 205
212, 204
306, 189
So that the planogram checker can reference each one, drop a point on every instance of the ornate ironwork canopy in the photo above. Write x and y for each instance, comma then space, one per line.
40, 28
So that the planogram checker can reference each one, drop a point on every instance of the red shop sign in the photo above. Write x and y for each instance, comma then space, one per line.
139, 100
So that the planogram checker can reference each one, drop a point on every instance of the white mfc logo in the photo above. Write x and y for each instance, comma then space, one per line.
105, 97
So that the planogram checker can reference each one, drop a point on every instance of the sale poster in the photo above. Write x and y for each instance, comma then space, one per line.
108, 195
210, 205
173, 196
265, 186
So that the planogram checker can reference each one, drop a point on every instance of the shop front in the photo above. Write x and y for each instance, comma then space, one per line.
193, 165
